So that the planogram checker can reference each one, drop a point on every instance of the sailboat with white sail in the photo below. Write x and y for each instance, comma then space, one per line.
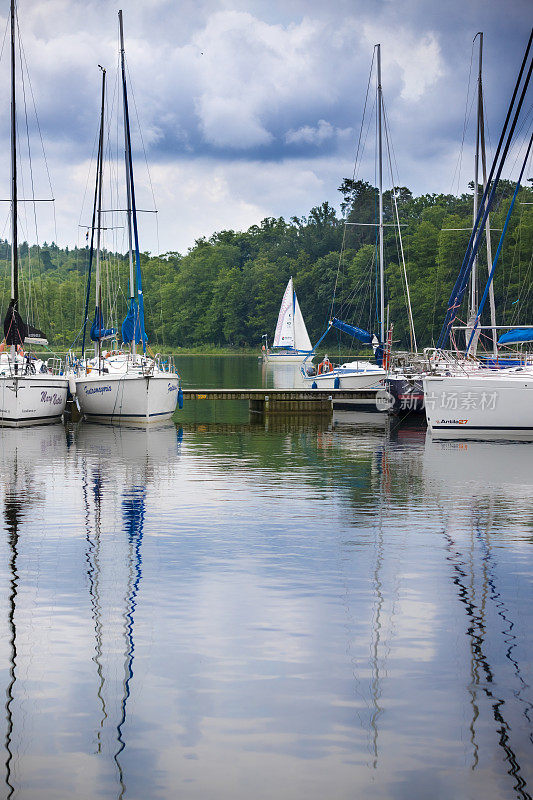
291, 340
32, 391
123, 385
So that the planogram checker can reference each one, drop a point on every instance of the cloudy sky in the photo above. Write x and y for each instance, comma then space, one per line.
250, 108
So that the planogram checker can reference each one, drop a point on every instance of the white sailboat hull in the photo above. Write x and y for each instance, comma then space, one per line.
129, 397
485, 404
286, 358
363, 376
32, 399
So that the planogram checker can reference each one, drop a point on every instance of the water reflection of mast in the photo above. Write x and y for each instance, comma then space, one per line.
93, 573
476, 634
12, 512
133, 513
503, 612
376, 645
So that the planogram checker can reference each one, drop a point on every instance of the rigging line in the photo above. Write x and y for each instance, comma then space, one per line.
520, 147
21, 45
346, 212
487, 200
458, 166
5, 35
30, 163
130, 86
398, 234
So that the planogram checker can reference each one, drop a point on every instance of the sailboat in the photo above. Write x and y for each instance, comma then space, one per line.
123, 385
291, 340
359, 374
473, 400
32, 391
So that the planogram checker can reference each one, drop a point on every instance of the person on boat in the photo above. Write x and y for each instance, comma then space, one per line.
325, 365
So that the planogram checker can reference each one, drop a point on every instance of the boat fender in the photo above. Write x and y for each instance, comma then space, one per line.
313, 385
337, 383
180, 398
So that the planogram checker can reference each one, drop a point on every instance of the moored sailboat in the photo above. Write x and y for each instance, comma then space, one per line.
32, 391
124, 386
360, 373
472, 400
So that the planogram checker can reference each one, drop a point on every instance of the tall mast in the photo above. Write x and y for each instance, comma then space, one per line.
127, 163
99, 316
380, 188
14, 244
487, 226
473, 277
131, 190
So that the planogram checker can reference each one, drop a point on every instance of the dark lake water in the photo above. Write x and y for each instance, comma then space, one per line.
226, 608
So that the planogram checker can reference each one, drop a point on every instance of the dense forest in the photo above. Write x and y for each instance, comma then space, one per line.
227, 289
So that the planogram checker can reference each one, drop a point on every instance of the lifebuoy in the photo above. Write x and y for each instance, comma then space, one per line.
325, 366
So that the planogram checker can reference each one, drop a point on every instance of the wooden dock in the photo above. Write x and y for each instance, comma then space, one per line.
289, 401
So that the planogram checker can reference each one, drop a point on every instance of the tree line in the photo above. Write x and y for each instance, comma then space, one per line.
226, 290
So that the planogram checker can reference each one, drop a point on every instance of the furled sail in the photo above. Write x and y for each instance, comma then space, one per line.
358, 333
98, 331
133, 327
301, 337
15, 329
517, 336
284, 336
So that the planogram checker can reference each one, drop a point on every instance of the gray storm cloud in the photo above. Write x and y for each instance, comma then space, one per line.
249, 109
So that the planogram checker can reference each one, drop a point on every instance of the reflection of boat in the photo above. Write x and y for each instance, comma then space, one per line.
348, 420
503, 468
25, 455
493, 472
291, 340
282, 376
115, 562
131, 447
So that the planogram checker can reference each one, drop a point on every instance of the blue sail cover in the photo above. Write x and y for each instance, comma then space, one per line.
358, 333
97, 328
133, 326
517, 336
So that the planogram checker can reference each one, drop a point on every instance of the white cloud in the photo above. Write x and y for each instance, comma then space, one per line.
414, 56
308, 134
250, 71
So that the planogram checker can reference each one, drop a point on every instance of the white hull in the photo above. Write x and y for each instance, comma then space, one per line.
286, 358
365, 376
482, 404
32, 399
130, 397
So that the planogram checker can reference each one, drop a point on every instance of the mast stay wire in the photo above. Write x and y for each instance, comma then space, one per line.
398, 235
354, 172
468, 112
139, 128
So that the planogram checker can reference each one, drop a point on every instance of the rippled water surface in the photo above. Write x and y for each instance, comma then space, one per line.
234, 608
